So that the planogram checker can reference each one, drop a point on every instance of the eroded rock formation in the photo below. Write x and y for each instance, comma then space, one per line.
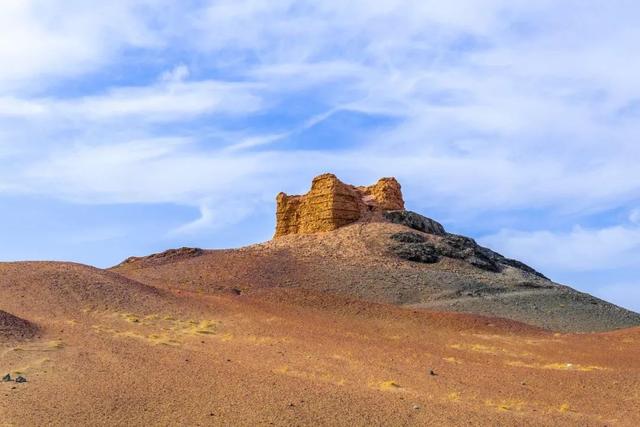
331, 204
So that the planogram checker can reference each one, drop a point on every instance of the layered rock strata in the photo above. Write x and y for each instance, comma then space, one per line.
331, 204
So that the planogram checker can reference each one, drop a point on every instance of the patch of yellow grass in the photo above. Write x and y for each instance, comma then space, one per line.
564, 407
131, 318
156, 339
556, 366
454, 396
389, 385
506, 405
205, 327
487, 349
162, 339
226, 337
281, 370
55, 344
163, 329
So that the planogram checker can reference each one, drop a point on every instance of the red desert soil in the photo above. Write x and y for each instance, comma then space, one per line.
114, 351
12, 327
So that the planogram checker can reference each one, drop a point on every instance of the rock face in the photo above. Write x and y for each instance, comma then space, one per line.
415, 221
331, 204
436, 242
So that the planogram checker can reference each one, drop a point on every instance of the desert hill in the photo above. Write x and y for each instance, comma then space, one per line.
376, 316
355, 242
52, 288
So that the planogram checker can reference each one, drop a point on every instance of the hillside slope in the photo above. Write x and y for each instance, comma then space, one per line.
110, 351
362, 260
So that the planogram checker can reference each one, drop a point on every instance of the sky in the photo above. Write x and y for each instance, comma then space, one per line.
131, 126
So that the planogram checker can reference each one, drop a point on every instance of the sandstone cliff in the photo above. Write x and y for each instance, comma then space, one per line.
331, 204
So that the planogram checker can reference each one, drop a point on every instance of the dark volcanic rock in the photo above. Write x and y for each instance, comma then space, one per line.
415, 221
414, 246
408, 237
418, 252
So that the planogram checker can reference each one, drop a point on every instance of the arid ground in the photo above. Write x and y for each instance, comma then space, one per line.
250, 337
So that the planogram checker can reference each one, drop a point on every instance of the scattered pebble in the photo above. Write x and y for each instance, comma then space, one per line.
6, 378
432, 373
21, 379
416, 407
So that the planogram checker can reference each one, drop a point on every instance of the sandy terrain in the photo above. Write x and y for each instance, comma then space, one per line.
325, 329
112, 351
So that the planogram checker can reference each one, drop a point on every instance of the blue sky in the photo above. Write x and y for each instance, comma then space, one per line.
129, 127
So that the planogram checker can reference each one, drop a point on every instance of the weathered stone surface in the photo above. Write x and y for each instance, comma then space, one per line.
408, 237
415, 221
385, 195
331, 204
413, 246
418, 252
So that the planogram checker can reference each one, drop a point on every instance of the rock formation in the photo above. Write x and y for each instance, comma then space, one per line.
331, 204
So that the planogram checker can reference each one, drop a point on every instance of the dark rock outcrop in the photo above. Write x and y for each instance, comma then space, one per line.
415, 221
416, 247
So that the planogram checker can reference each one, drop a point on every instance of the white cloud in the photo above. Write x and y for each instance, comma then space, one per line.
580, 249
178, 73
216, 215
144, 171
171, 99
625, 294
166, 101
48, 38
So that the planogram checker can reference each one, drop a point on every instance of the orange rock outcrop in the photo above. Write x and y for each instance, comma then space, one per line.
331, 204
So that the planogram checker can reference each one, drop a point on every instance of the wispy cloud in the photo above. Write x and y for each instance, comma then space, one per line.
580, 249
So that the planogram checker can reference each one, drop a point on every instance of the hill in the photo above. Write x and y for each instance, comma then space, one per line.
378, 317
380, 255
